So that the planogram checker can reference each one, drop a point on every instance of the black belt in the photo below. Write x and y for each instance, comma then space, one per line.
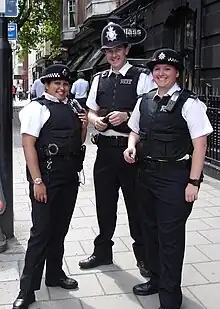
115, 141
154, 164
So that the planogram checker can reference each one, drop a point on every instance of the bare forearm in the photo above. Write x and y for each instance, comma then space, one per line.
92, 117
32, 161
133, 139
198, 159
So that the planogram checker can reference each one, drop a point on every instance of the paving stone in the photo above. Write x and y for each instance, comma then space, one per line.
78, 223
9, 271
214, 211
210, 270
201, 203
149, 302
205, 194
58, 304
73, 248
215, 192
128, 301
208, 294
193, 255
21, 198
8, 292
195, 238
125, 260
21, 207
212, 235
196, 225
128, 241
88, 211
198, 213
191, 276
84, 202
215, 201
88, 286
22, 215
212, 251
80, 234
43, 293
212, 222
119, 282
78, 213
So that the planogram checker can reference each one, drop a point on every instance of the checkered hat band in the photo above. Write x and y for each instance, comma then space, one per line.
52, 75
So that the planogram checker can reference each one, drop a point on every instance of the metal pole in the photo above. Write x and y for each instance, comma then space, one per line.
6, 176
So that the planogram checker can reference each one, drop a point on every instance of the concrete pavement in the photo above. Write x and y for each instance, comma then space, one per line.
110, 287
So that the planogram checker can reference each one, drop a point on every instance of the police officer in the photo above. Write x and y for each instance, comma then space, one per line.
172, 127
52, 135
112, 98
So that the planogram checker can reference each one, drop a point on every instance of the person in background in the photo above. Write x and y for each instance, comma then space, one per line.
111, 100
80, 89
37, 89
169, 140
52, 137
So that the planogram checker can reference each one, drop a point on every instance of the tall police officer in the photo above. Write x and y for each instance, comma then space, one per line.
111, 99
52, 135
172, 127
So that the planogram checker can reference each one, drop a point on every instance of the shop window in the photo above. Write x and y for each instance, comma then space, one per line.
71, 13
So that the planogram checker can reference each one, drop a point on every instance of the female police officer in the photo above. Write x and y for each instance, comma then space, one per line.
172, 127
52, 135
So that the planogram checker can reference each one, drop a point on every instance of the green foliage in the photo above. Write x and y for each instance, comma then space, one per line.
37, 22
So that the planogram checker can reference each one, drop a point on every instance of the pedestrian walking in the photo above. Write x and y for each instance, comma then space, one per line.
37, 89
80, 89
169, 130
52, 136
111, 99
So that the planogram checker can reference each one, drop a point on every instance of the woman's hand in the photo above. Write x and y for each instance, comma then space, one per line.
99, 124
130, 154
40, 193
116, 118
84, 119
191, 193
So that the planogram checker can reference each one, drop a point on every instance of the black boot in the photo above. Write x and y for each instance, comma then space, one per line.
94, 261
144, 289
64, 282
24, 300
143, 270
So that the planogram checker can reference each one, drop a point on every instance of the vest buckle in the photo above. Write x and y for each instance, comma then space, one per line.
53, 149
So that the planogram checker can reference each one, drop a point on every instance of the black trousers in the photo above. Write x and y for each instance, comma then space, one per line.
164, 212
50, 226
82, 102
112, 172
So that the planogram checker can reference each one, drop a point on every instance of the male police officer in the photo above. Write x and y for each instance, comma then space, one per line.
111, 99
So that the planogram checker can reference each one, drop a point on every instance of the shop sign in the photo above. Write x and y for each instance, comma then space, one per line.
135, 35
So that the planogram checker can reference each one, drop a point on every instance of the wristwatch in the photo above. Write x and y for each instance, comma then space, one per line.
194, 182
38, 181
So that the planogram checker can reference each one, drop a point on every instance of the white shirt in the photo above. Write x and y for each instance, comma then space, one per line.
38, 87
34, 115
145, 84
80, 88
193, 111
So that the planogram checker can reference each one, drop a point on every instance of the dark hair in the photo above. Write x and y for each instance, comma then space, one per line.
81, 75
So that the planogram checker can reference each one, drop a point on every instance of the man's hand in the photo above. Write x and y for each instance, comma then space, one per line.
116, 118
84, 119
99, 124
40, 193
130, 154
191, 193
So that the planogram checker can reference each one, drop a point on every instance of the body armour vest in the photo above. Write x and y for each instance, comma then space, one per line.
118, 93
164, 135
63, 129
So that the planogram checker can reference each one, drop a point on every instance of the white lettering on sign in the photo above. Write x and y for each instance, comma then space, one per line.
126, 81
132, 32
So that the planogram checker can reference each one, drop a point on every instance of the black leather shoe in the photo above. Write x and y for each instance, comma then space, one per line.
143, 271
65, 283
24, 300
145, 289
93, 261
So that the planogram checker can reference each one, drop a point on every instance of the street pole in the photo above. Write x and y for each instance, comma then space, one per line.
6, 115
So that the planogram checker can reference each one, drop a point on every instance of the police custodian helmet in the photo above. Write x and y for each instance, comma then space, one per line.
56, 72
165, 56
112, 36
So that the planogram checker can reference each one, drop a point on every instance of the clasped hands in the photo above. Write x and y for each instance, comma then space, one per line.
115, 118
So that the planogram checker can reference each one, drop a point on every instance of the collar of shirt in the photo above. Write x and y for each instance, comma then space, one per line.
123, 70
52, 98
171, 91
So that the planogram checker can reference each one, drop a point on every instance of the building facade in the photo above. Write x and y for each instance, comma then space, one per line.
190, 26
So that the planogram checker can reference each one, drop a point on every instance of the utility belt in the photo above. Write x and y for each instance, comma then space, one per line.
112, 141
153, 164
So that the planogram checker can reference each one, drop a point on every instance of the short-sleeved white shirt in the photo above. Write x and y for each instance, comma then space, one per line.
34, 115
193, 111
144, 85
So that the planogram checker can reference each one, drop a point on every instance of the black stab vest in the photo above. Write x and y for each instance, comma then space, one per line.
164, 135
118, 93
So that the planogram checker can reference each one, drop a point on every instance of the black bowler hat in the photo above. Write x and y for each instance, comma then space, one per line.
56, 72
112, 36
165, 56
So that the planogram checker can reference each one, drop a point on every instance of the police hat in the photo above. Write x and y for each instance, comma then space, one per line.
112, 36
165, 56
56, 72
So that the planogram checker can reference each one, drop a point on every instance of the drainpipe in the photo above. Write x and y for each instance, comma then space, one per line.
198, 43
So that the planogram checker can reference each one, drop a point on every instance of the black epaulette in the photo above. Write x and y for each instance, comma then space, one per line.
149, 94
143, 70
192, 95
102, 74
